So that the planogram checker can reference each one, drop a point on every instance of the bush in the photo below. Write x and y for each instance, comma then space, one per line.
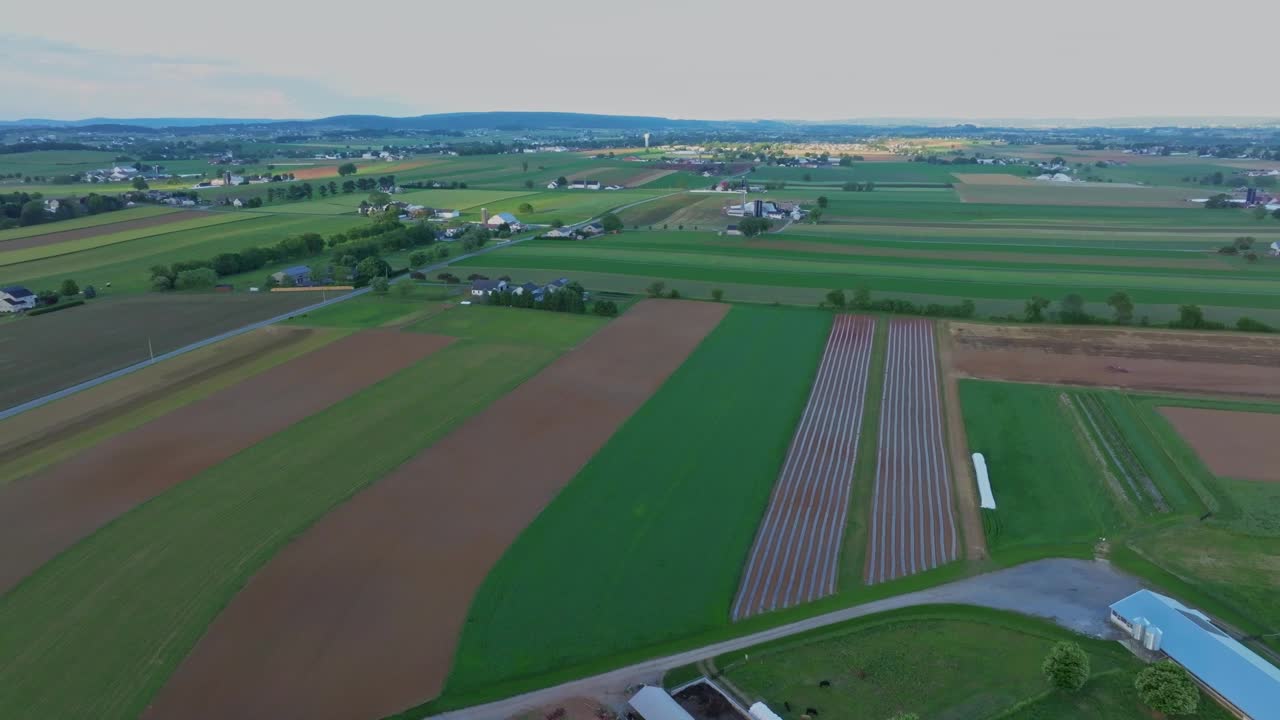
197, 279
674, 294
69, 288
606, 308
655, 289
55, 308
1248, 324
1166, 687
1066, 666
380, 285
611, 223
717, 294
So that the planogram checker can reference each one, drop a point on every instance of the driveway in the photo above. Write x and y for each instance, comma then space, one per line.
1072, 593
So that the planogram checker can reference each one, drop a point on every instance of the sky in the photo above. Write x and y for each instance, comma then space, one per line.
705, 59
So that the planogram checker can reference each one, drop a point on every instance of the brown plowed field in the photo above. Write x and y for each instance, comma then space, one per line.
358, 618
96, 230
913, 527
42, 515
1212, 363
795, 555
1233, 444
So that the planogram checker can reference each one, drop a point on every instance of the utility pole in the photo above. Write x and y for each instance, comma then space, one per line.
150, 351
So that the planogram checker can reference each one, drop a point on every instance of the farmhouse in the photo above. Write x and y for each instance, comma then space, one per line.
1227, 670
553, 185
481, 288
299, 274
591, 228
593, 184
16, 299
501, 219
577, 184
560, 232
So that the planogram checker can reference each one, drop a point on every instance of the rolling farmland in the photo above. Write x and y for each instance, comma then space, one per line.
913, 526
797, 547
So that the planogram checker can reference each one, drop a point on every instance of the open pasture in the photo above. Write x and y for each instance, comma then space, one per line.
568, 206
51, 163
797, 548
92, 223
456, 199
389, 627
125, 264
683, 518
40, 247
110, 333
913, 526
889, 172
1041, 192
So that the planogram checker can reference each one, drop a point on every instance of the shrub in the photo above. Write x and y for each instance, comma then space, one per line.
197, 279
606, 308
69, 288
1166, 687
55, 308
674, 294
1248, 324
1066, 666
380, 285
717, 294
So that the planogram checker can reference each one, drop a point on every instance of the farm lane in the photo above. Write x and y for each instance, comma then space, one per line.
1072, 593
46, 399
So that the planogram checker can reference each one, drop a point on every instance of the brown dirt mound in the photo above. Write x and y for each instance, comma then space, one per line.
359, 617
1233, 444
42, 515
1213, 363
108, 229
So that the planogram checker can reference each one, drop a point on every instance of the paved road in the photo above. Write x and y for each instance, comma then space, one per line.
1071, 593
37, 402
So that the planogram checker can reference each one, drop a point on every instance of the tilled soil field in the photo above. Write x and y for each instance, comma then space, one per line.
1233, 444
45, 513
794, 558
913, 525
359, 617
1214, 363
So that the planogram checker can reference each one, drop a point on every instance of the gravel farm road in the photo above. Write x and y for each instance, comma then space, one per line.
1072, 593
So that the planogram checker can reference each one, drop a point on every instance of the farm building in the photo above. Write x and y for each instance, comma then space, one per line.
653, 703
553, 185
591, 228
732, 230
501, 219
446, 214
1227, 670
481, 288
299, 274
16, 299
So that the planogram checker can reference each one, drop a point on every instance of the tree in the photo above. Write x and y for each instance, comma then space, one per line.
1035, 309
557, 223
417, 259
1066, 666
380, 285
254, 202
717, 294
1165, 687
524, 166
1071, 309
196, 279
605, 308
160, 283
1122, 305
371, 267
1190, 316
139, 184
562, 181
822, 201
814, 216
751, 227
610, 222
378, 198
346, 169
525, 208
69, 288
836, 299
655, 288
528, 184
862, 298
32, 213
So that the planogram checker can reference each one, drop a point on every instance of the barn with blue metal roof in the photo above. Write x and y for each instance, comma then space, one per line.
1242, 680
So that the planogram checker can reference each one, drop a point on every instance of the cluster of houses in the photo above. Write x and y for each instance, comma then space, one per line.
122, 173
409, 211
583, 185
16, 298
591, 229
485, 288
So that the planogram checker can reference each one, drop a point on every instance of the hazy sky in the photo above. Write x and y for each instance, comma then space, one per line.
678, 58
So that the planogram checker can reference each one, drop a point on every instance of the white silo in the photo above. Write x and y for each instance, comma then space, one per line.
1151, 640
646, 141
1139, 628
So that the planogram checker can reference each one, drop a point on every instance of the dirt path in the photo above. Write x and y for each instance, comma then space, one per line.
96, 230
1072, 593
359, 617
45, 513
971, 532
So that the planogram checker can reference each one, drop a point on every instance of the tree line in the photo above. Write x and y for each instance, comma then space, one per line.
862, 300
20, 209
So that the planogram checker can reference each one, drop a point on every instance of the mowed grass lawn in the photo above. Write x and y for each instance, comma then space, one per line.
125, 265
97, 631
938, 662
1048, 491
647, 543
108, 218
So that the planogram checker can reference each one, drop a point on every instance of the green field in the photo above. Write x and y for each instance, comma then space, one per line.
107, 218
125, 264
707, 257
877, 172
535, 327
67, 653
40, 252
938, 662
1038, 468
369, 310
636, 524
